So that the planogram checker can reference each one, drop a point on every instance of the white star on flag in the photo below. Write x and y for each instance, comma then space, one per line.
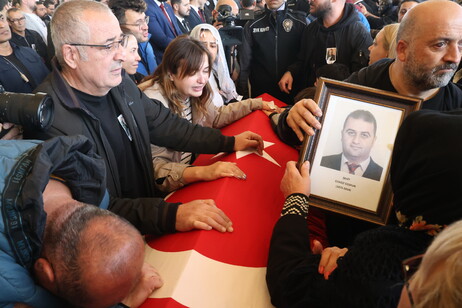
240, 154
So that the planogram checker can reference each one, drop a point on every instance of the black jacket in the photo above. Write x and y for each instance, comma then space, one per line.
349, 36
11, 79
373, 170
32, 40
25, 171
268, 48
369, 275
376, 76
149, 122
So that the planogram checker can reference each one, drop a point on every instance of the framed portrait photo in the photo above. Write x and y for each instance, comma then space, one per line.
350, 155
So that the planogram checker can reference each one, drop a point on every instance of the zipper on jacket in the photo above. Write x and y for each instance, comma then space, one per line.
276, 46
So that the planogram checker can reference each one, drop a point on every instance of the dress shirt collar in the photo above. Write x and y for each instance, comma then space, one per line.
360, 170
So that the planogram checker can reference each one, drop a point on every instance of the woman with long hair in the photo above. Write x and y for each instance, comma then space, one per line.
180, 82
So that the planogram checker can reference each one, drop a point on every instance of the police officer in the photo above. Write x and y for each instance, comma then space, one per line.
271, 42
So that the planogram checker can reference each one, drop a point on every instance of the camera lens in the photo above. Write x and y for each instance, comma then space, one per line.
33, 111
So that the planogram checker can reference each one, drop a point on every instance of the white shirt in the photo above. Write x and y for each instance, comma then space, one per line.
359, 171
217, 99
33, 22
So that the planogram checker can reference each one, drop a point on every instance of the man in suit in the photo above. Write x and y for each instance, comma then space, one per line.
181, 8
358, 138
133, 20
162, 26
199, 14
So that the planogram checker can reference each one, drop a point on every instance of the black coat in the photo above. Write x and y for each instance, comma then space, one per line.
268, 48
349, 36
32, 40
149, 122
369, 275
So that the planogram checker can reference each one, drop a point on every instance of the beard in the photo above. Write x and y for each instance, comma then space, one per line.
322, 9
426, 79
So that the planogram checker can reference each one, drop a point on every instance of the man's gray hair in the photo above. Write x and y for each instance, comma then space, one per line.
84, 234
68, 27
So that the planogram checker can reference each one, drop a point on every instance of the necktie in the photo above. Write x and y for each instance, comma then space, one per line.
352, 167
201, 15
162, 7
274, 14
186, 26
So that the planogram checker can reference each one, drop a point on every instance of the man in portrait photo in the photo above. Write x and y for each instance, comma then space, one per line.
358, 138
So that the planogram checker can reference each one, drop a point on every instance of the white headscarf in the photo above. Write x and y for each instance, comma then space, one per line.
220, 67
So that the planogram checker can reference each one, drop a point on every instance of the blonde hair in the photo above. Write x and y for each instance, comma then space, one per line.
183, 56
389, 39
442, 263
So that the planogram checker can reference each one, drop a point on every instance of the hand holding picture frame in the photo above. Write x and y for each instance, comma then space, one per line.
350, 156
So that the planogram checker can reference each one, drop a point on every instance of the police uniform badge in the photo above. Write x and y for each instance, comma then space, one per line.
287, 24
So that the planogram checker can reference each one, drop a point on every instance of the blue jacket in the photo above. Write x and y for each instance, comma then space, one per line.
148, 63
160, 28
11, 80
25, 168
193, 18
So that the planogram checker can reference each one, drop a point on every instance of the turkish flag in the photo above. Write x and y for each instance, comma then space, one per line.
213, 269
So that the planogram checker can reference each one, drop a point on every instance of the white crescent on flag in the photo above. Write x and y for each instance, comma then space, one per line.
193, 280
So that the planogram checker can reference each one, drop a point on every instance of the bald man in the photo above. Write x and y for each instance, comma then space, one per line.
428, 54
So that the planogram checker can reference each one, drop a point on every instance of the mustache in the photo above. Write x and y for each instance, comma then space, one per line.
447, 66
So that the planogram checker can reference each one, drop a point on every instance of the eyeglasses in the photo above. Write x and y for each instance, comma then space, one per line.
17, 20
139, 23
410, 266
109, 48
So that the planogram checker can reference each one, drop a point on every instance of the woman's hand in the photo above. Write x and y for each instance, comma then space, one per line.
329, 257
217, 170
270, 107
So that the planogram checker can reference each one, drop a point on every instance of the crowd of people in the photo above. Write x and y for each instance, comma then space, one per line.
138, 88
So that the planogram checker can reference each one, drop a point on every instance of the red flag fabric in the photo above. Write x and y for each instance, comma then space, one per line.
228, 260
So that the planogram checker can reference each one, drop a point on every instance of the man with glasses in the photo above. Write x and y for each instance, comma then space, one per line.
22, 69
133, 20
25, 37
92, 98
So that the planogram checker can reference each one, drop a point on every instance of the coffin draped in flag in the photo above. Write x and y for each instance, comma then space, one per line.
213, 269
